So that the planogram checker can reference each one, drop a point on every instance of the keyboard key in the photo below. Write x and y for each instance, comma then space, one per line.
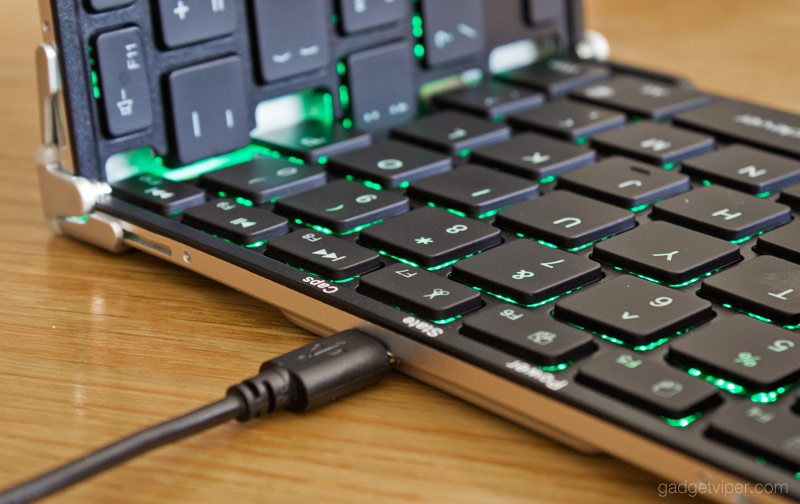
238, 223
722, 212
185, 22
474, 190
201, 127
342, 206
452, 132
648, 384
534, 156
123, 81
382, 91
291, 37
633, 310
453, 30
491, 100
566, 219
753, 354
744, 168
762, 429
568, 119
366, 14
556, 76
791, 196
526, 272
390, 163
667, 253
624, 182
783, 242
653, 143
104, 5
766, 286
642, 97
157, 194
313, 140
263, 179
541, 340
430, 237
324, 255
420, 292
736, 121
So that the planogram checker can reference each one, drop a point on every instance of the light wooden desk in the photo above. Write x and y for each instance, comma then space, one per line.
94, 346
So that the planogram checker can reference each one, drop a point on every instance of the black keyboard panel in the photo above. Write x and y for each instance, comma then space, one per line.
597, 290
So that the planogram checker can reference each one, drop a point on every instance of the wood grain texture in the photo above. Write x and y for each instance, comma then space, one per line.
95, 346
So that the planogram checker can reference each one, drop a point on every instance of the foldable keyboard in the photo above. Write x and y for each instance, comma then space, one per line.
596, 251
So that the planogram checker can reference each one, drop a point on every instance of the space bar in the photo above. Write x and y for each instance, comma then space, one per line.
737, 121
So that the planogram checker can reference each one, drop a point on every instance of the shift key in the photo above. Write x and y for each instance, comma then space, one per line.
124, 86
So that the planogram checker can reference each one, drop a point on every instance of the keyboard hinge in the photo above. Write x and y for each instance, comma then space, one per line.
67, 200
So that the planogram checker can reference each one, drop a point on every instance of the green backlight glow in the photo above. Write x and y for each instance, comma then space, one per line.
640, 207
557, 367
419, 51
759, 317
322, 160
581, 141
464, 153
404, 184
534, 305
432, 268
638, 348
706, 182
682, 422
326, 279
668, 166
341, 68
573, 249
547, 180
344, 97
416, 26
367, 183
683, 284
238, 199
763, 194
734, 388
347, 123
484, 215
95, 85
327, 231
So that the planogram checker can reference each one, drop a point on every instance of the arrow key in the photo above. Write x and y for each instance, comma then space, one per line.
238, 223
324, 255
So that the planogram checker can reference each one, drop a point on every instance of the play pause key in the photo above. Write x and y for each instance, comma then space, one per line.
327, 256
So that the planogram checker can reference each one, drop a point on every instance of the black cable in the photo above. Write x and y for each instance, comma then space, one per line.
299, 381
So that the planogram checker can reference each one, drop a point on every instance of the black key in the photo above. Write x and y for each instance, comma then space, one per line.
491, 100
263, 179
541, 340
313, 140
238, 223
420, 292
452, 132
744, 168
453, 29
633, 310
324, 255
783, 242
104, 5
722, 212
653, 143
291, 37
157, 194
342, 206
382, 91
360, 15
791, 196
526, 272
185, 22
648, 384
761, 429
753, 354
430, 237
202, 127
568, 119
642, 97
556, 75
566, 219
624, 182
123, 81
390, 163
474, 190
667, 253
534, 156
736, 121
766, 286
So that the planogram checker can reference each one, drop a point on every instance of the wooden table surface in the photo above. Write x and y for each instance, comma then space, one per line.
94, 346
